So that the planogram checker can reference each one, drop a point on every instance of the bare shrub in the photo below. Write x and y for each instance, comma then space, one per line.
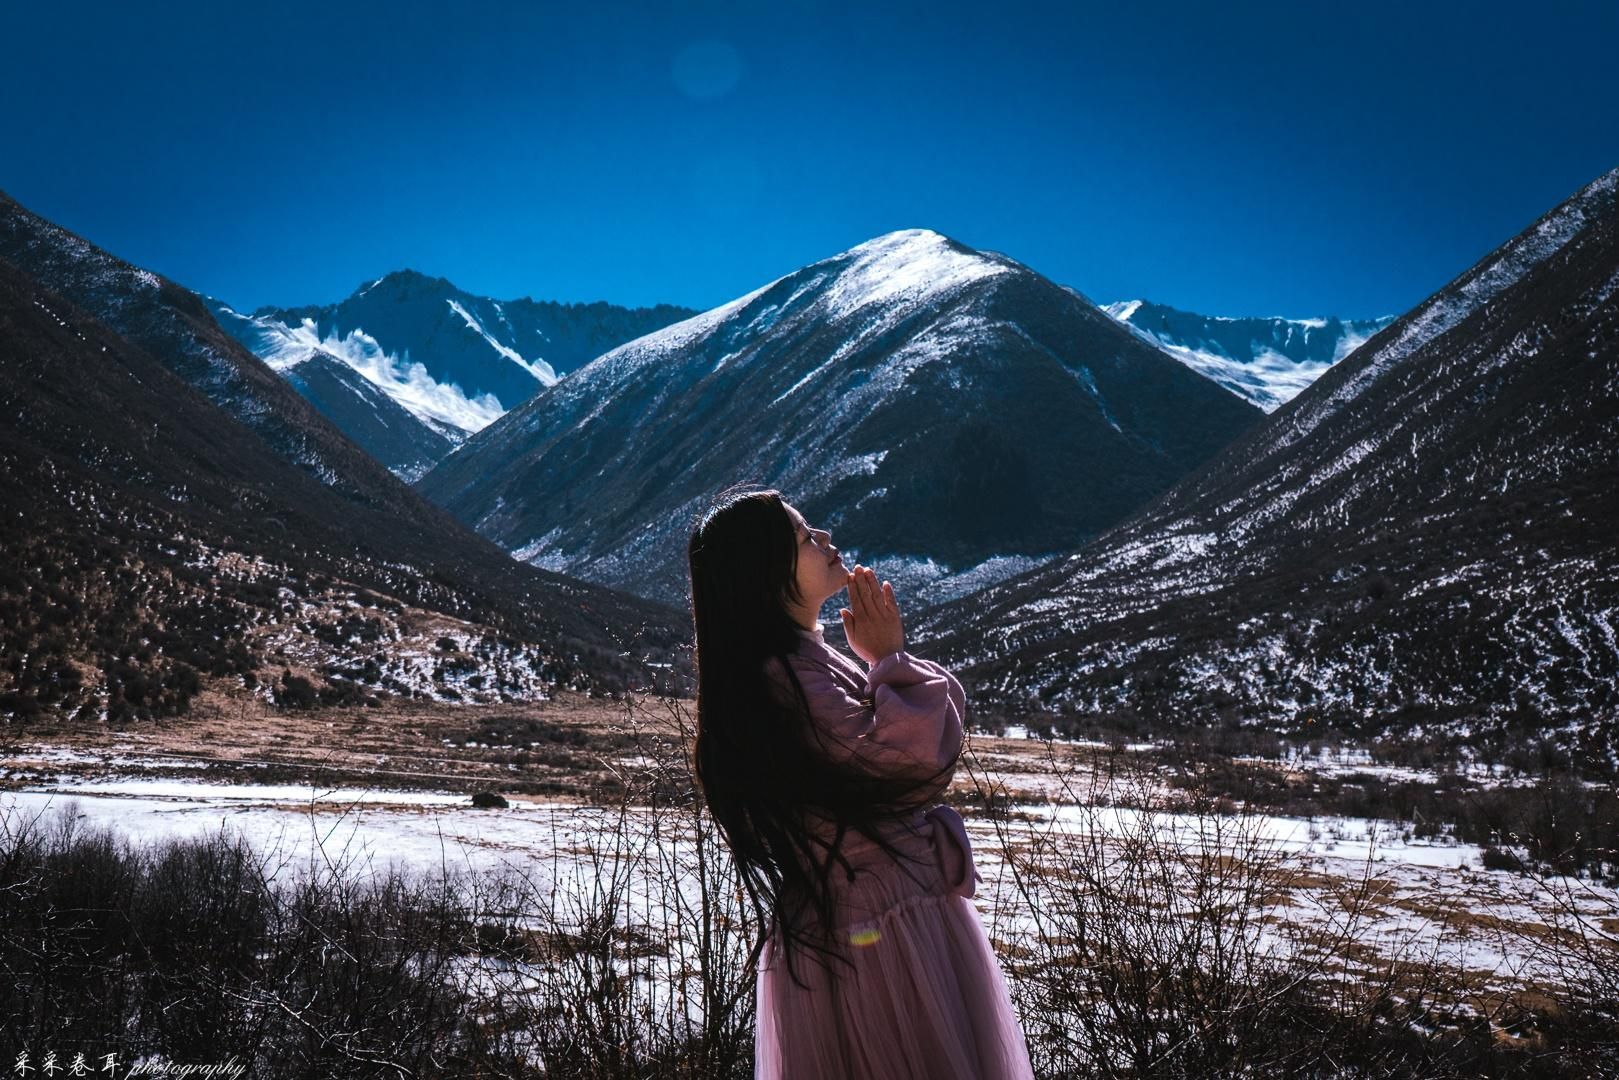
1153, 933
632, 959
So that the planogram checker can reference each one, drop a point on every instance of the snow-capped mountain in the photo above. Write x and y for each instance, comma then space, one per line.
453, 360
1420, 542
946, 411
1266, 360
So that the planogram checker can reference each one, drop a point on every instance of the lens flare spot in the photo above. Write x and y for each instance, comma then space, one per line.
707, 69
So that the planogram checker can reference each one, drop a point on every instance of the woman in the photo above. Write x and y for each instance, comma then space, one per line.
825, 779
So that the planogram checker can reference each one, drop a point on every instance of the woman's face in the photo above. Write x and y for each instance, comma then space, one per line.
820, 568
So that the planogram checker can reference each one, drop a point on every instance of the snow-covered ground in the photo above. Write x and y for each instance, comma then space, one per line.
365, 829
1431, 898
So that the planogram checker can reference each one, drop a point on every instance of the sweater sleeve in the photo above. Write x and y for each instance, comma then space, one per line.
906, 719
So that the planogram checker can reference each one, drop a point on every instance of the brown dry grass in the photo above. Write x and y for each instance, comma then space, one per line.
557, 749
567, 748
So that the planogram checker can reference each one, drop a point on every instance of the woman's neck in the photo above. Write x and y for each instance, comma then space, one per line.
803, 615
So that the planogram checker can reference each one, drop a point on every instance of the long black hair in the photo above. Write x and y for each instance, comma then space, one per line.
759, 760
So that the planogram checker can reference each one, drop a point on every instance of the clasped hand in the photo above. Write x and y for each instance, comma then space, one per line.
872, 622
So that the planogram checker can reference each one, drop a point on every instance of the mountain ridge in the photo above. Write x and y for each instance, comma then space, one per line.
1267, 360
451, 360
478, 356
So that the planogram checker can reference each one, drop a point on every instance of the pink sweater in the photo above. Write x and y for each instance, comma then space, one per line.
912, 726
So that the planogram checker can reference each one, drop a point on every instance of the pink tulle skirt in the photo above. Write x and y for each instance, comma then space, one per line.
924, 998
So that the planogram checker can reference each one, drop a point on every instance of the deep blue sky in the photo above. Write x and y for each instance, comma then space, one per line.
1266, 159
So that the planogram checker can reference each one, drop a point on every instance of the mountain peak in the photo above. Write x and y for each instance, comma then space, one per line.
407, 278
906, 243
904, 235
909, 264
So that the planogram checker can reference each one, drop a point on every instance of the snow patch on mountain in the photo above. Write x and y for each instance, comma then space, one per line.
543, 554
1269, 381
924, 581
1123, 309
537, 368
808, 378
908, 266
441, 405
1267, 360
1086, 379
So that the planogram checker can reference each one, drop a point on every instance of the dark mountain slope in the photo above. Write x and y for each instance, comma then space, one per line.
1421, 542
174, 326
152, 540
